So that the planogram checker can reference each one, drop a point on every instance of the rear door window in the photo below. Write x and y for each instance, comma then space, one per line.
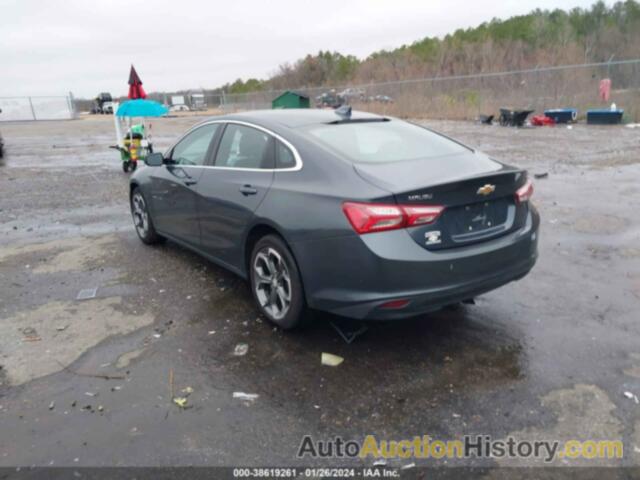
245, 147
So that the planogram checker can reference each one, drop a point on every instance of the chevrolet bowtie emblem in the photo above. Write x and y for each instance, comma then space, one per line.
486, 189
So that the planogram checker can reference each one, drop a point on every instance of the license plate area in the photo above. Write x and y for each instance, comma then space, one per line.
479, 220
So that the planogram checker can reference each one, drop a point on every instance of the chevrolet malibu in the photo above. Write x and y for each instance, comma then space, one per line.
351, 213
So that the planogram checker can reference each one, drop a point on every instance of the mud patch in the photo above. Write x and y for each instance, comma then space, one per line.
600, 252
635, 444
71, 254
634, 370
635, 286
50, 337
602, 224
629, 252
582, 413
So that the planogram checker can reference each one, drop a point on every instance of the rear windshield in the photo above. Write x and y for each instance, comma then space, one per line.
377, 142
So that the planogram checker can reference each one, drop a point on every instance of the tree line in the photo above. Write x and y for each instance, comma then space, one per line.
542, 37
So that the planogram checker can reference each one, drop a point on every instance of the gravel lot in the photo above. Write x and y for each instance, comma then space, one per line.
90, 382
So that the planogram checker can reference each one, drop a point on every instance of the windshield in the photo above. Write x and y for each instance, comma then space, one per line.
388, 141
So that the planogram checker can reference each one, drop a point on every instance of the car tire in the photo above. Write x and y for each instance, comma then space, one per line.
142, 220
276, 284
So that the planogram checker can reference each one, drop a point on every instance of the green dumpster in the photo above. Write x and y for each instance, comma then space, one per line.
291, 99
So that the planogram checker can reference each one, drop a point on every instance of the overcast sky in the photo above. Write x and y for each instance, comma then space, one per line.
87, 46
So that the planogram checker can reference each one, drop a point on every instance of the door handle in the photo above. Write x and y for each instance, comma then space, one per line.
189, 183
248, 190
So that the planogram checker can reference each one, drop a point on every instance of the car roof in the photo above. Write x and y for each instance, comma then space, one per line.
296, 117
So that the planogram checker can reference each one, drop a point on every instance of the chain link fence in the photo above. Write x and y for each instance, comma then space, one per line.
37, 108
446, 97
212, 101
468, 96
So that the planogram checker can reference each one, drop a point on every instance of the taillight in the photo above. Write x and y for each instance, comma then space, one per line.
365, 218
523, 194
422, 215
376, 217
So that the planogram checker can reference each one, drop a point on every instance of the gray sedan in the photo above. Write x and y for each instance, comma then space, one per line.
356, 214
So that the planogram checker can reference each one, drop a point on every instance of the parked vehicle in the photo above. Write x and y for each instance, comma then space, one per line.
107, 108
378, 98
103, 104
329, 100
197, 101
352, 213
383, 99
353, 95
178, 108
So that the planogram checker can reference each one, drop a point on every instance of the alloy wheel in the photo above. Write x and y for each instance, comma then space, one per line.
272, 282
140, 215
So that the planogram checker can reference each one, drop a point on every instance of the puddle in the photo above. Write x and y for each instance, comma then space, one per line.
392, 370
126, 358
65, 330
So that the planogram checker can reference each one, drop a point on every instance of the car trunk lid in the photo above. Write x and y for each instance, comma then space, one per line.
477, 193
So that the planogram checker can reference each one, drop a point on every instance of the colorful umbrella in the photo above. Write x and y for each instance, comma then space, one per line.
135, 85
141, 108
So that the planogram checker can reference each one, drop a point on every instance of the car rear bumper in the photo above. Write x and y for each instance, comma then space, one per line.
355, 275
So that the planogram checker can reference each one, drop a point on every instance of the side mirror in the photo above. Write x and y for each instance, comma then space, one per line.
154, 160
